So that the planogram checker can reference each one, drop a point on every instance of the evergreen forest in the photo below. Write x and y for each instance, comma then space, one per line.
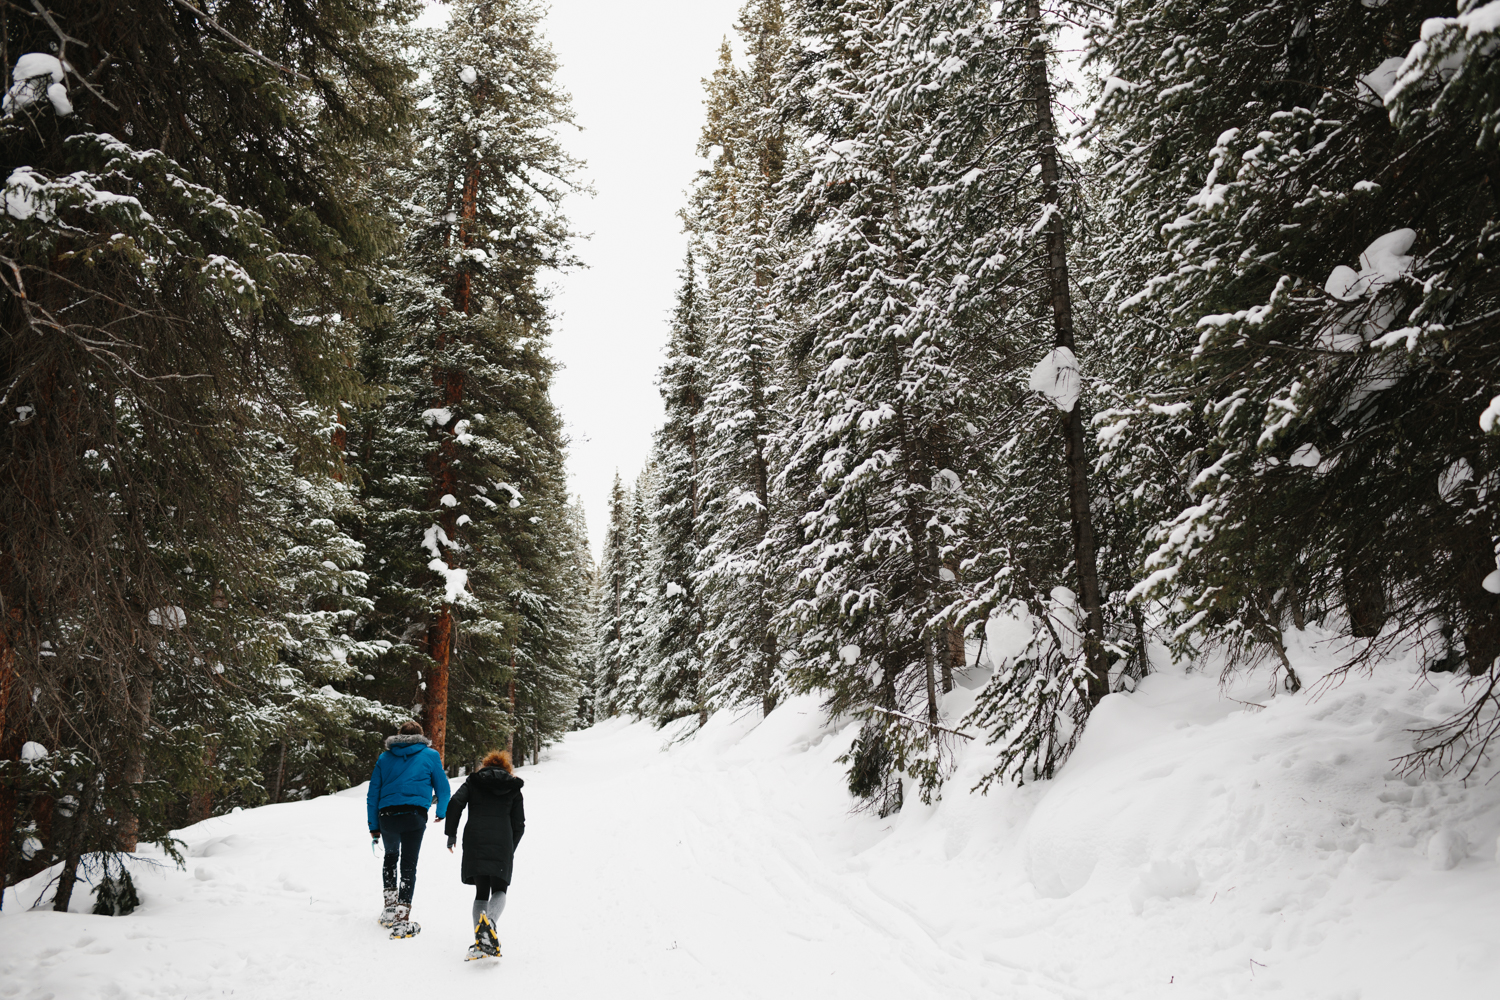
1098, 333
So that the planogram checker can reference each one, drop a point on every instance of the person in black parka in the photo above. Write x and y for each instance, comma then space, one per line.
497, 819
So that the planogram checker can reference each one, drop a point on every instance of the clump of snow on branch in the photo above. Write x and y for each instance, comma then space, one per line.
455, 580
1307, 456
35, 76
1453, 479
170, 616
1380, 81
1491, 414
1056, 376
1381, 264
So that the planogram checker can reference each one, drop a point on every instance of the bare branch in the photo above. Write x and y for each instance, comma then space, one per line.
243, 45
64, 38
920, 722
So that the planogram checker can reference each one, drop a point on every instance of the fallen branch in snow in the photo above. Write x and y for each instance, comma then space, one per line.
920, 722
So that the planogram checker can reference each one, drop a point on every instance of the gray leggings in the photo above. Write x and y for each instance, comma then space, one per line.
489, 897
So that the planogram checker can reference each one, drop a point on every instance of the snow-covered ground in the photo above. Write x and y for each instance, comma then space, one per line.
1196, 846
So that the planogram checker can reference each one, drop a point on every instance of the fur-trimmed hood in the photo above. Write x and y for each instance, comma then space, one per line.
392, 742
495, 780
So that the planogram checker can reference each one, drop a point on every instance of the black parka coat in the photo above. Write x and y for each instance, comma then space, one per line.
497, 819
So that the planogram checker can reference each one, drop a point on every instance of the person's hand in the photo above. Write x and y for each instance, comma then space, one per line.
374, 834
451, 842
438, 819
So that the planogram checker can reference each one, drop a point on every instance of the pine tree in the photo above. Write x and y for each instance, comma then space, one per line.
677, 679
181, 228
1341, 465
464, 456
637, 638
1002, 205
581, 589
610, 606
872, 430
732, 219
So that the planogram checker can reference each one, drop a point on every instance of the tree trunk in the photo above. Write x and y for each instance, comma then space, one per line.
435, 697
442, 465
201, 804
932, 705
135, 762
1364, 600
77, 835
768, 673
955, 660
8, 752
510, 739
280, 771
1142, 655
1074, 454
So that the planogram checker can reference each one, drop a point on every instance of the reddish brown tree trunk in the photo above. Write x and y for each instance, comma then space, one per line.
442, 466
435, 698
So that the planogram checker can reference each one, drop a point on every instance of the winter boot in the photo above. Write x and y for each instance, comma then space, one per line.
388, 915
405, 926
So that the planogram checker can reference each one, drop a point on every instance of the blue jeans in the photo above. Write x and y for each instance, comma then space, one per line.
402, 834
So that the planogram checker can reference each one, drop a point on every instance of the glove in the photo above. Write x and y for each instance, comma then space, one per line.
374, 834
451, 841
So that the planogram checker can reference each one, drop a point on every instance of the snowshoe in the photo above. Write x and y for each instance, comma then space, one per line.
387, 916
475, 953
485, 939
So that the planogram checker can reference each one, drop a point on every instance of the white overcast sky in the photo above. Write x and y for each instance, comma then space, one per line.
635, 71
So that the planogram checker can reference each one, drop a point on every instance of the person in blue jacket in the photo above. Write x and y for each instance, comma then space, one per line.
402, 786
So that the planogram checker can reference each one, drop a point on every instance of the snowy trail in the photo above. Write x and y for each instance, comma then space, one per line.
640, 873
1198, 845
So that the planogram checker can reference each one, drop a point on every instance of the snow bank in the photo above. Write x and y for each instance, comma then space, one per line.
1202, 842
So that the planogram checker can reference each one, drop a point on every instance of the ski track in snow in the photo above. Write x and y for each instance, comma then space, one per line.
1196, 846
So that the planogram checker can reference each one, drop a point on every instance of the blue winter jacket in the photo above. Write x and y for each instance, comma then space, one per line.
407, 774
